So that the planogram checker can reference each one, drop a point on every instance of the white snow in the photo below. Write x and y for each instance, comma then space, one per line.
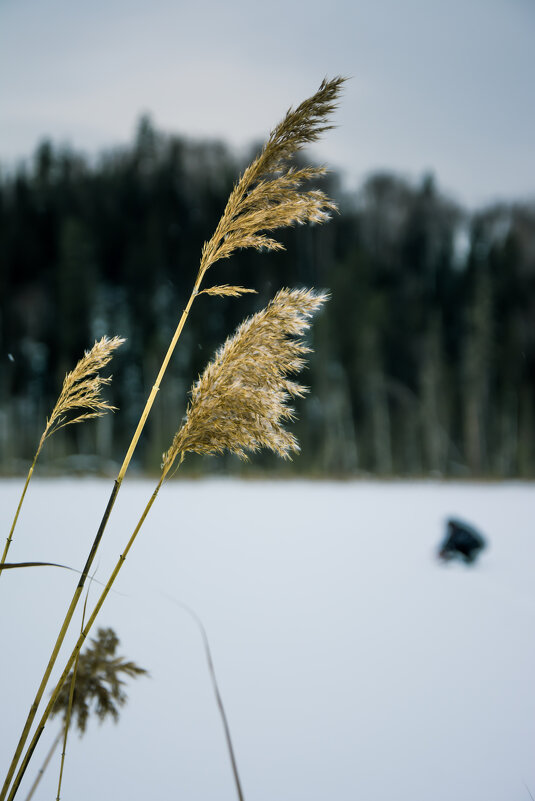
352, 664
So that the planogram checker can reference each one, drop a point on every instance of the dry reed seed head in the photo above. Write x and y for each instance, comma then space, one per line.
80, 398
99, 682
240, 401
268, 195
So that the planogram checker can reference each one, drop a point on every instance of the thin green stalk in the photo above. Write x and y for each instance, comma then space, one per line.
76, 597
81, 639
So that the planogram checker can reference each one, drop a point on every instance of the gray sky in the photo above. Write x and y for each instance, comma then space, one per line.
436, 85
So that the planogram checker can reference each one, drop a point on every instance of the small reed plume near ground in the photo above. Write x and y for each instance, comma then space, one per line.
241, 402
96, 686
80, 399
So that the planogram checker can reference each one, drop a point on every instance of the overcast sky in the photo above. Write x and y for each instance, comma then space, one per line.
436, 85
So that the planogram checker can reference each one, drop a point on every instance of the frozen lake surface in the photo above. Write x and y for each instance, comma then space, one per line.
353, 666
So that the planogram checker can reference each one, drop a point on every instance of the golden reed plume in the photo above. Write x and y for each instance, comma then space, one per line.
240, 402
80, 398
268, 194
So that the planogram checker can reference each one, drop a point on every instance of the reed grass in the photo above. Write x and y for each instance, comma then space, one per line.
256, 360
268, 196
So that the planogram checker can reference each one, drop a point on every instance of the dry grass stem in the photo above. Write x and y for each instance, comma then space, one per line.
240, 402
80, 398
268, 195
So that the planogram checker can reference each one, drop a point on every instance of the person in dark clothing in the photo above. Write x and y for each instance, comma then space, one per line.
462, 541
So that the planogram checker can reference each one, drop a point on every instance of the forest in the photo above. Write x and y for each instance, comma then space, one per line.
424, 357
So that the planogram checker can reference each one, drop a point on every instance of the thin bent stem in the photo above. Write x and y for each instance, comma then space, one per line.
81, 639
76, 597
223, 715
218, 697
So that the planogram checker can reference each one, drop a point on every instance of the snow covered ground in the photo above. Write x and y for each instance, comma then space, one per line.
353, 666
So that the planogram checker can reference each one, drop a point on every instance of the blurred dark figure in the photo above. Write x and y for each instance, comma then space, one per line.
462, 541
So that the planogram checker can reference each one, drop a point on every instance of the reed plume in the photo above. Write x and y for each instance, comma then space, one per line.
94, 686
268, 195
241, 400
98, 682
80, 399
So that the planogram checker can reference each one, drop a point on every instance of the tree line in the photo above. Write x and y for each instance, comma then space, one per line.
424, 359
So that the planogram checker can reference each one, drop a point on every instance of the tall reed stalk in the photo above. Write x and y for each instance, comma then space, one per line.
268, 196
